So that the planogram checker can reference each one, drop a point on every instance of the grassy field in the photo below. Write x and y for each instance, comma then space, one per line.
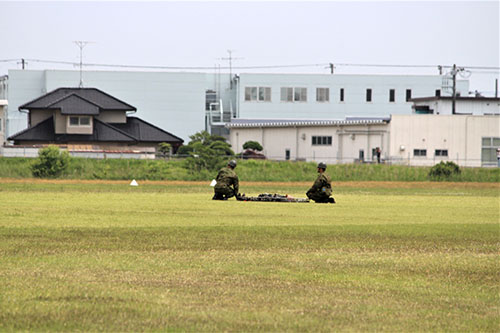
389, 256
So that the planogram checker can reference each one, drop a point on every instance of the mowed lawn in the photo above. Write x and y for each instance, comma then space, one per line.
105, 256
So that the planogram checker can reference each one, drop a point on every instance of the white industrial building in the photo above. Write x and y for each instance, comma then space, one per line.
185, 103
418, 140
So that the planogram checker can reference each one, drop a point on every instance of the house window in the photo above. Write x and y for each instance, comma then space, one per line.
420, 152
368, 95
79, 121
441, 152
322, 94
341, 94
262, 94
489, 150
321, 140
408, 95
392, 95
294, 94
438, 92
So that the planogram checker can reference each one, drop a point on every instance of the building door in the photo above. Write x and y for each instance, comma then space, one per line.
287, 154
361, 155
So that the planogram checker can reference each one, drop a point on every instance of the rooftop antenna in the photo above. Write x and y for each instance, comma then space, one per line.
81, 44
230, 58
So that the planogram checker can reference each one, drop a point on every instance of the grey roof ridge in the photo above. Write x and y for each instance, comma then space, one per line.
22, 107
119, 100
73, 94
175, 136
30, 128
116, 129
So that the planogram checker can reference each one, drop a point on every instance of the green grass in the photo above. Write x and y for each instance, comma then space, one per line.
164, 257
249, 170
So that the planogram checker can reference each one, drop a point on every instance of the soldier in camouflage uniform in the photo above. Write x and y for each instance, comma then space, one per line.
321, 190
227, 183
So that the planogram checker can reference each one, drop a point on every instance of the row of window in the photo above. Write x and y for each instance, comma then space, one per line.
299, 94
423, 152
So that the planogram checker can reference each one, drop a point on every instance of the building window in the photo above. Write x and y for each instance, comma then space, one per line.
294, 94
210, 100
300, 95
368, 95
392, 95
79, 121
438, 92
489, 150
420, 152
321, 140
265, 94
408, 95
341, 94
322, 94
441, 152
262, 94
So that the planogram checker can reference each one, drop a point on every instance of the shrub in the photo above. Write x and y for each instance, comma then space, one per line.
254, 145
51, 162
444, 170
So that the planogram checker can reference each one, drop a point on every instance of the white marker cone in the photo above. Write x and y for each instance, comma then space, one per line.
134, 183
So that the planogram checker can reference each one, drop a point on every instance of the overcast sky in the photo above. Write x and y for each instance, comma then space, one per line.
198, 34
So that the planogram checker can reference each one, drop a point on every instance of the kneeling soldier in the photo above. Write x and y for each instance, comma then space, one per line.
227, 182
321, 190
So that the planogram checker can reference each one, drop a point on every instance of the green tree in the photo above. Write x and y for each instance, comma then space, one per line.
51, 162
207, 152
165, 149
254, 145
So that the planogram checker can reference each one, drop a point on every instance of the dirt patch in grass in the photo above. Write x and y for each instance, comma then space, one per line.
351, 184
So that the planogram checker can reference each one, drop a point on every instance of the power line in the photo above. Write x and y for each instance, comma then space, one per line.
60, 62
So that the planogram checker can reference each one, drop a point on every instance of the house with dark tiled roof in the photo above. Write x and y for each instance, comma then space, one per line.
88, 117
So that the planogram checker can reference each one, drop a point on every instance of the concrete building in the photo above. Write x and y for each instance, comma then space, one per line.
418, 140
463, 105
3, 117
185, 103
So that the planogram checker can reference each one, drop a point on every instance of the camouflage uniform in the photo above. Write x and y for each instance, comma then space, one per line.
321, 189
225, 179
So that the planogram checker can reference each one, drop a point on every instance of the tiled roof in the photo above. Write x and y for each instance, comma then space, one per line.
96, 96
75, 105
146, 132
235, 123
134, 131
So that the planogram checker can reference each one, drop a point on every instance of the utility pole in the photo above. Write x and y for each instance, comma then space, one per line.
23, 63
454, 93
81, 44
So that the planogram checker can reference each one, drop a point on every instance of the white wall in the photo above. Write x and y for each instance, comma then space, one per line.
459, 134
347, 140
354, 95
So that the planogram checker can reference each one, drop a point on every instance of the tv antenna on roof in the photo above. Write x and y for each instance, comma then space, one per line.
81, 44
230, 58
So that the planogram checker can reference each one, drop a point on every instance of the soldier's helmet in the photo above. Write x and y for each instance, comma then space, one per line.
232, 164
322, 165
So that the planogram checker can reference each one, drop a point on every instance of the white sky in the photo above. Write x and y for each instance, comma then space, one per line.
198, 34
